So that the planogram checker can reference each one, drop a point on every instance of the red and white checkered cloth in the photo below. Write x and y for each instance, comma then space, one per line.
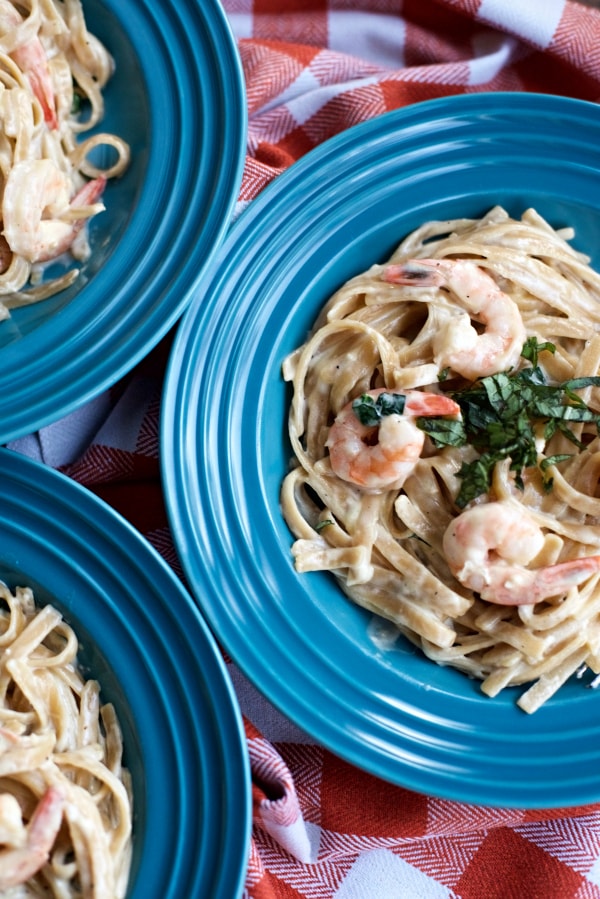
322, 829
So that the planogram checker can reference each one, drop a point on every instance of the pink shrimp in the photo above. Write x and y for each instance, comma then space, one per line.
40, 220
31, 58
383, 463
488, 547
19, 863
458, 344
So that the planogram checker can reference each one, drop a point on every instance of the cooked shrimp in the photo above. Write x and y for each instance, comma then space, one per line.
40, 219
488, 547
381, 457
33, 843
459, 345
31, 58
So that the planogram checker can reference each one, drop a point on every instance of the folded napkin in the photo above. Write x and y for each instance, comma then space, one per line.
321, 827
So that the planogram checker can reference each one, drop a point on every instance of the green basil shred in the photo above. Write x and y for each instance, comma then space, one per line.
370, 411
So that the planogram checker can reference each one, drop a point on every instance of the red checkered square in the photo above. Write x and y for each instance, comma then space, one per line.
507, 866
354, 802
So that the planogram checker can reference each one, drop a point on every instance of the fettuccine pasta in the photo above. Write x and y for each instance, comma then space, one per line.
444, 426
52, 74
65, 798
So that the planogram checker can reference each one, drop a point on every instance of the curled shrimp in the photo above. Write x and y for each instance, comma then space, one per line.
381, 457
40, 218
31, 58
488, 547
31, 845
458, 344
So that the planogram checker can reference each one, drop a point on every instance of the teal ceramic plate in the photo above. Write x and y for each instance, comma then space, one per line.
144, 639
224, 448
177, 96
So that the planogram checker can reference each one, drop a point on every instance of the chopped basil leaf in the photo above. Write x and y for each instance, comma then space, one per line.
554, 460
370, 411
323, 524
531, 349
548, 482
578, 383
476, 477
444, 431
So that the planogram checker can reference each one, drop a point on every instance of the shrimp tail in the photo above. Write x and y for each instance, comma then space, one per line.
430, 404
518, 586
556, 579
416, 273
90, 192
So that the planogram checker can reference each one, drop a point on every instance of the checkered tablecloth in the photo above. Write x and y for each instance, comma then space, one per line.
322, 829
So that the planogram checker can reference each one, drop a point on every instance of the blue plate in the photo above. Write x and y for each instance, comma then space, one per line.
144, 639
177, 96
341, 208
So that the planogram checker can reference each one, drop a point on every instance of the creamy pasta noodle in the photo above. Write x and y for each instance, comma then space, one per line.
52, 73
444, 424
65, 798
